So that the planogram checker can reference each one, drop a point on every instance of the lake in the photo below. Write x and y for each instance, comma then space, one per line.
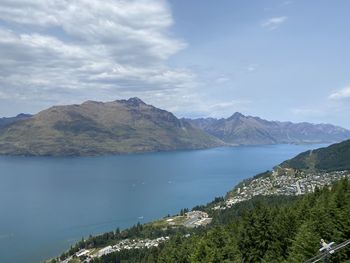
47, 204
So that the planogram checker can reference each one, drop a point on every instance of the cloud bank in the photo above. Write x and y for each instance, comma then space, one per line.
63, 51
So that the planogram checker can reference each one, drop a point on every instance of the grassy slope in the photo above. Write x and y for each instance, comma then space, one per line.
332, 158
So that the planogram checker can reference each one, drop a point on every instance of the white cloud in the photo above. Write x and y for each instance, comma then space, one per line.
340, 94
274, 22
330, 108
68, 51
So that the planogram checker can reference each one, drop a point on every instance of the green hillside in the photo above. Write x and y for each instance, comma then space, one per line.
274, 228
264, 229
332, 158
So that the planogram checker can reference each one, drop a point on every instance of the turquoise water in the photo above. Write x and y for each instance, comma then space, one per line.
46, 204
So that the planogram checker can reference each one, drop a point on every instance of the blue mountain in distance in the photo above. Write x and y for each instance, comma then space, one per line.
247, 130
128, 126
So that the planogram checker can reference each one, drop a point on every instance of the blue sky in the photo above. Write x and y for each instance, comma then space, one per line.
277, 59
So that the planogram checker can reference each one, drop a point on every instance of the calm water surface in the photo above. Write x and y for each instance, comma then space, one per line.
47, 204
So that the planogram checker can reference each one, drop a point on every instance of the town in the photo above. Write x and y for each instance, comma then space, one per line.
189, 219
86, 255
282, 181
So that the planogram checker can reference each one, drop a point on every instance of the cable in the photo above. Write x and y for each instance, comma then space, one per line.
328, 252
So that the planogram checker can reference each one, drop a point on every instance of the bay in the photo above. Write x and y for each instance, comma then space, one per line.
47, 204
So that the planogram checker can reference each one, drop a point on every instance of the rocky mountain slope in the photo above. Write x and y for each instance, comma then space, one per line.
335, 157
247, 130
93, 128
7, 121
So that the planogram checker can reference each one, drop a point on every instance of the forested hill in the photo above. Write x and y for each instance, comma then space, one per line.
272, 228
335, 157
264, 229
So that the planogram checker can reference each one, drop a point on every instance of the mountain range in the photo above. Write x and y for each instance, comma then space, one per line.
94, 128
247, 130
129, 126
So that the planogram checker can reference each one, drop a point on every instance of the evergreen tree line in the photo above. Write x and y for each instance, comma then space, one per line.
264, 229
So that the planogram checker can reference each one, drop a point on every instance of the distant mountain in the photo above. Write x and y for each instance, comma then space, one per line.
247, 130
335, 157
93, 128
7, 121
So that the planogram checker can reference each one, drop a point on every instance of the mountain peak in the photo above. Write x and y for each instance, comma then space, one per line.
90, 102
135, 101
236, 115
24, 115
248, 130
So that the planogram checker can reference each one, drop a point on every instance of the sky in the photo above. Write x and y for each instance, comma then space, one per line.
277, 59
